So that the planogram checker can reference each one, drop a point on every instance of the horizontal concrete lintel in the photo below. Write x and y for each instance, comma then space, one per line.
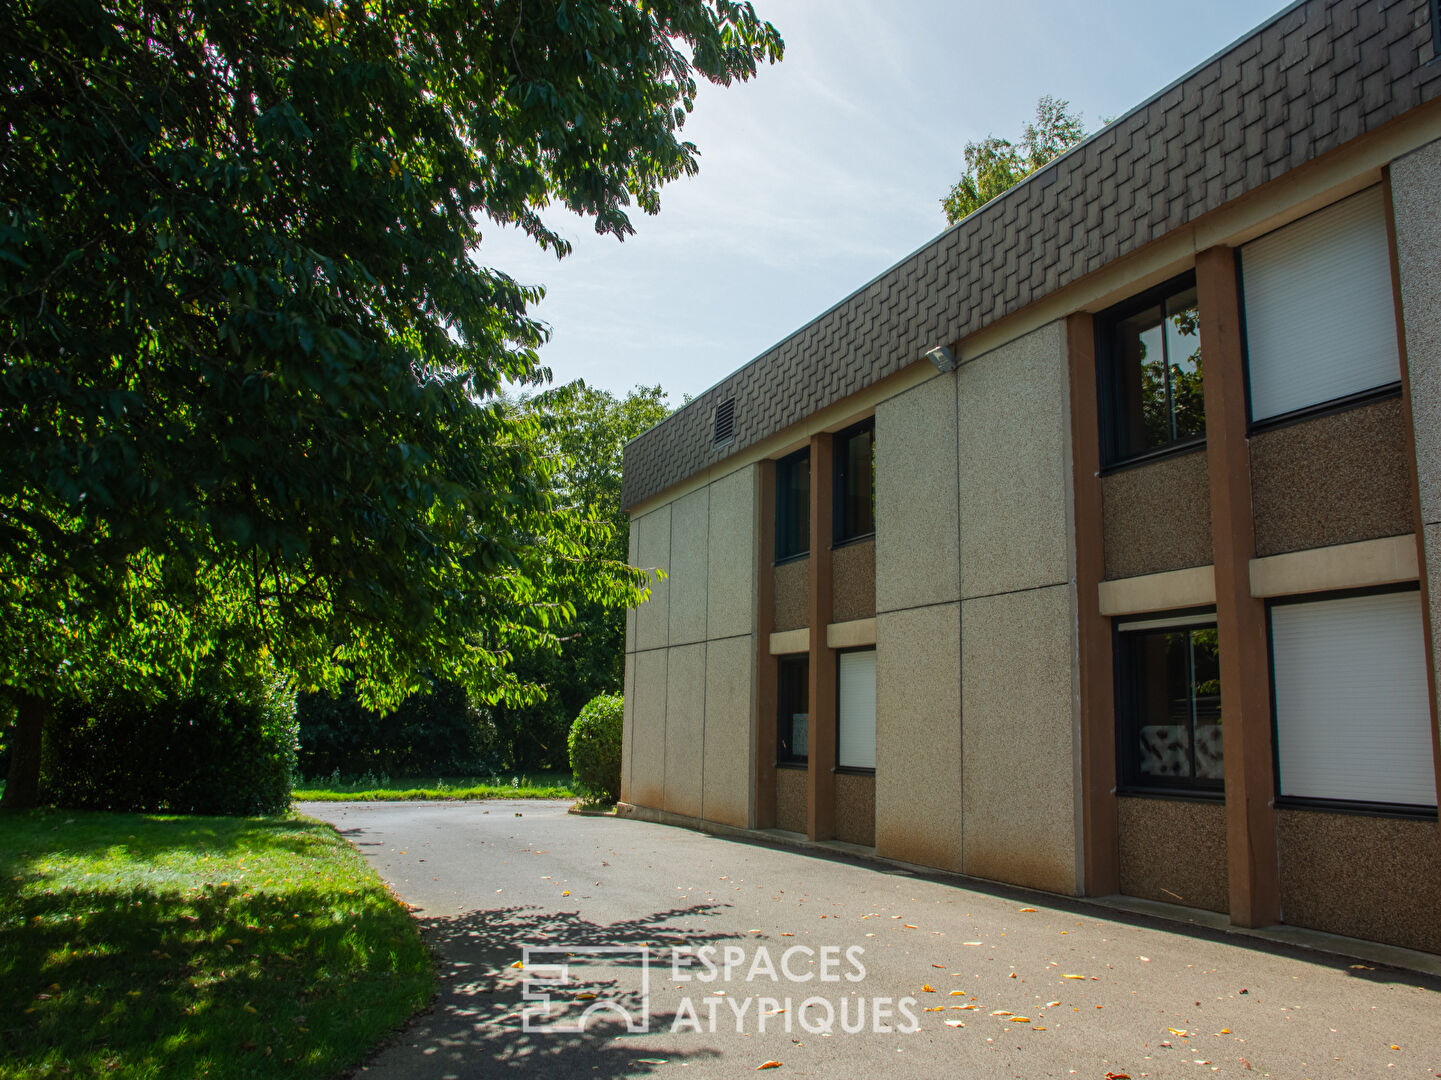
1362, 565
791, 641
1193, 587
851, 635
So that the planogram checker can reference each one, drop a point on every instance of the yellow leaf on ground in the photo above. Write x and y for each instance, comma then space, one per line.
1020, 1020
927, 988
768, 1065
516, 964
1073, 976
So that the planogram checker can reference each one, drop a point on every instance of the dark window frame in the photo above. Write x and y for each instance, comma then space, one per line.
1435, 31
849, 770
1129, 780
785, 758
842, 530
1304, 802
1109, 384
786, 514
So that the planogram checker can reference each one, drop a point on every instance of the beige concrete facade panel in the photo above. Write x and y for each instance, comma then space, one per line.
790, 641
1018, 736
1174, 851
653, 549
1362, 876
1415, 180
853, 581
627, 749
647, 741
1171, 591
1363, 565
856, 634
727, 769
685, 728
1157, 516
917, 516
1014, 448
689, 567
918, 735
793, 593
1331, 480
731, 596
856, 809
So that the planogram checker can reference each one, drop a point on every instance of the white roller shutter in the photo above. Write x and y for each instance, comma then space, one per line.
856, 747
1320, 322
1352, 720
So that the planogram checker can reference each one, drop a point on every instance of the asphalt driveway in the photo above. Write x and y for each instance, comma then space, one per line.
660, 951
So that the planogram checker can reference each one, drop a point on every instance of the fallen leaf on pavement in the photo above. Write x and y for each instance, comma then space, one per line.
955, 1023
768, 1065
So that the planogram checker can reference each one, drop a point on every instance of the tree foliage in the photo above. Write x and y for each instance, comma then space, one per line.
249, 366
995, 165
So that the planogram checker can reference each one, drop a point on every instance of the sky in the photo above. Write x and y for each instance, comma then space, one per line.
828, 168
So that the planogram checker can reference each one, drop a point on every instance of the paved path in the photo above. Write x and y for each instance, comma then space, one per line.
1101, 994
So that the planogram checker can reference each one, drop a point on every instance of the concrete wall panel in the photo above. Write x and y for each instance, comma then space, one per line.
1157, 517
918, 735
729, 681
917, 517
1334, 479
1014, 442
1018, 744
653, 550
647, 780
853, 585
1174, 851
684, 728
689, 566
627, 747
732, 591
1415, 180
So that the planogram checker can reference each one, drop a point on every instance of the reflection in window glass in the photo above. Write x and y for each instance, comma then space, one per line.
1172, 695
793, 719
1156, 366
855, 483
793, 505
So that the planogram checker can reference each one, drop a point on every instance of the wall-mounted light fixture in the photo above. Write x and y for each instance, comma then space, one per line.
942, 357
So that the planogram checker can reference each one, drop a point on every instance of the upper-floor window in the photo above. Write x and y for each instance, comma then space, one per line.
855, 490
1319, 313
793, 505
1148, 358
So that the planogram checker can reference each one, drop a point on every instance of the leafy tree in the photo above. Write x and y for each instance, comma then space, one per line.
995, 165
248, 366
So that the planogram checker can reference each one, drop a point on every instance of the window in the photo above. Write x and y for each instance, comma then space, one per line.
793, 505
1320, 320
856, 710
1168, 700
1148, 355
855, 493
793, 719
1353, 721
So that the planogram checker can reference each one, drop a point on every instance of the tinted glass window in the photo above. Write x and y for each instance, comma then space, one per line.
1171, 701
793, 505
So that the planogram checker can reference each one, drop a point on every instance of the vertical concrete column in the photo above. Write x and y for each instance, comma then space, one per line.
763, 815
1413, 229
1240, 617
1100, 846
821, 806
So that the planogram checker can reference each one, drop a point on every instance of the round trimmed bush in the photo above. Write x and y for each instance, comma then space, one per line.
595, 740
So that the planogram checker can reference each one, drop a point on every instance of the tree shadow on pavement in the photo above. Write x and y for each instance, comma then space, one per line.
478, 1027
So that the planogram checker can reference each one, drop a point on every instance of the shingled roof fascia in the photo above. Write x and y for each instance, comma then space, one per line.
1096, 252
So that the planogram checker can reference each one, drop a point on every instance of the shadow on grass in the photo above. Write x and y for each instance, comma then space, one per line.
477, 1028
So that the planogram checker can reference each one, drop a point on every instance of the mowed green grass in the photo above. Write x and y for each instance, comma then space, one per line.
541, 786
147, 946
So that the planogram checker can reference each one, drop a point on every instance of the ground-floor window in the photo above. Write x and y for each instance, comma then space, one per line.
856, 710
793, 718
1168, 705
1353, 720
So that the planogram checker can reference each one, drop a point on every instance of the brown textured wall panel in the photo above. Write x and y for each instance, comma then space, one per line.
792, 786
1157, 516
1332, 480
853, 588
1174, 851
1365, 877
1305, 82
856, 808
793, 594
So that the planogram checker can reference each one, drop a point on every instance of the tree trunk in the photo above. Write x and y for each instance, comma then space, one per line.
22, 786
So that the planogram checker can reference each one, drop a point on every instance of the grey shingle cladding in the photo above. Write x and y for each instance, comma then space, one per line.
1314, 77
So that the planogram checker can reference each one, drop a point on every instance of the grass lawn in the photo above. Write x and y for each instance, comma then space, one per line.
540, 786
146, 946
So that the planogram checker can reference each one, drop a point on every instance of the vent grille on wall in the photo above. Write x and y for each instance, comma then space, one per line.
725, 422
